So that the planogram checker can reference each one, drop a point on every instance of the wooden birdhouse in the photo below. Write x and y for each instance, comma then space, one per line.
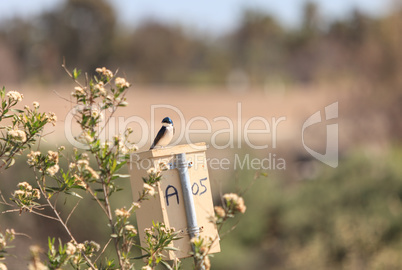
171, 205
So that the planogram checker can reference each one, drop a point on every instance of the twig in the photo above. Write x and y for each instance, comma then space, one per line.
60, 96
3, 199
72, 211
256, 176
110, 218
230, 230
55, 201
31, 211
97, 200
69, 73
50, 132
103, 250
43, 215
10, 211
23, 234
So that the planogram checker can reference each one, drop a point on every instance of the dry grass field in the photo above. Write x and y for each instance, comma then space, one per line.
191, 109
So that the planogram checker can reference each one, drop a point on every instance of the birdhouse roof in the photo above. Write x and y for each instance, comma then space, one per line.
169, 151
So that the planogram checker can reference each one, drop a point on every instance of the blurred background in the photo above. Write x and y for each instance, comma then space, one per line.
276, 59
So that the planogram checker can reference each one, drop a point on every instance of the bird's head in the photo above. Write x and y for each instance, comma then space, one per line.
167, 120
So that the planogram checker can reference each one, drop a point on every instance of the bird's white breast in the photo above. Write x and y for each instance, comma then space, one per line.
168, 136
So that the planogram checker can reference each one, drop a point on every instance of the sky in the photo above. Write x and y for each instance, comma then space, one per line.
210, 15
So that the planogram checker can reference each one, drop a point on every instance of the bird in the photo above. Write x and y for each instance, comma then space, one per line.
165, 134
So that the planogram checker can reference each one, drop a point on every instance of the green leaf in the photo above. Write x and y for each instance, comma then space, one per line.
17, 110
114, 165
166, 265
11, 163
119, 165
76, 73
141, 257
60, 246
73, 194
122, 175
171, 248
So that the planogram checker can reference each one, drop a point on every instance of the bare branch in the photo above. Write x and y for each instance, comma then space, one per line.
69, 73
110, 218
72, 211
65, 99
103, 250
43, 215
97, 200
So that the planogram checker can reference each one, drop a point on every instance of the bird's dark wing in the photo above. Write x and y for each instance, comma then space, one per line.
158, 137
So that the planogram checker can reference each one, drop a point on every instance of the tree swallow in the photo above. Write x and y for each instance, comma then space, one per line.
165, 134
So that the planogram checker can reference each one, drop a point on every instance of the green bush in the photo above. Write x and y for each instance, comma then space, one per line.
345, 218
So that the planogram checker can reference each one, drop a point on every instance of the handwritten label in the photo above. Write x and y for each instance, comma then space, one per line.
198, 188
169, 194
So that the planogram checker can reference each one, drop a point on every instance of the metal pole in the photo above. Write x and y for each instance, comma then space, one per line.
182, 165
193, 228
